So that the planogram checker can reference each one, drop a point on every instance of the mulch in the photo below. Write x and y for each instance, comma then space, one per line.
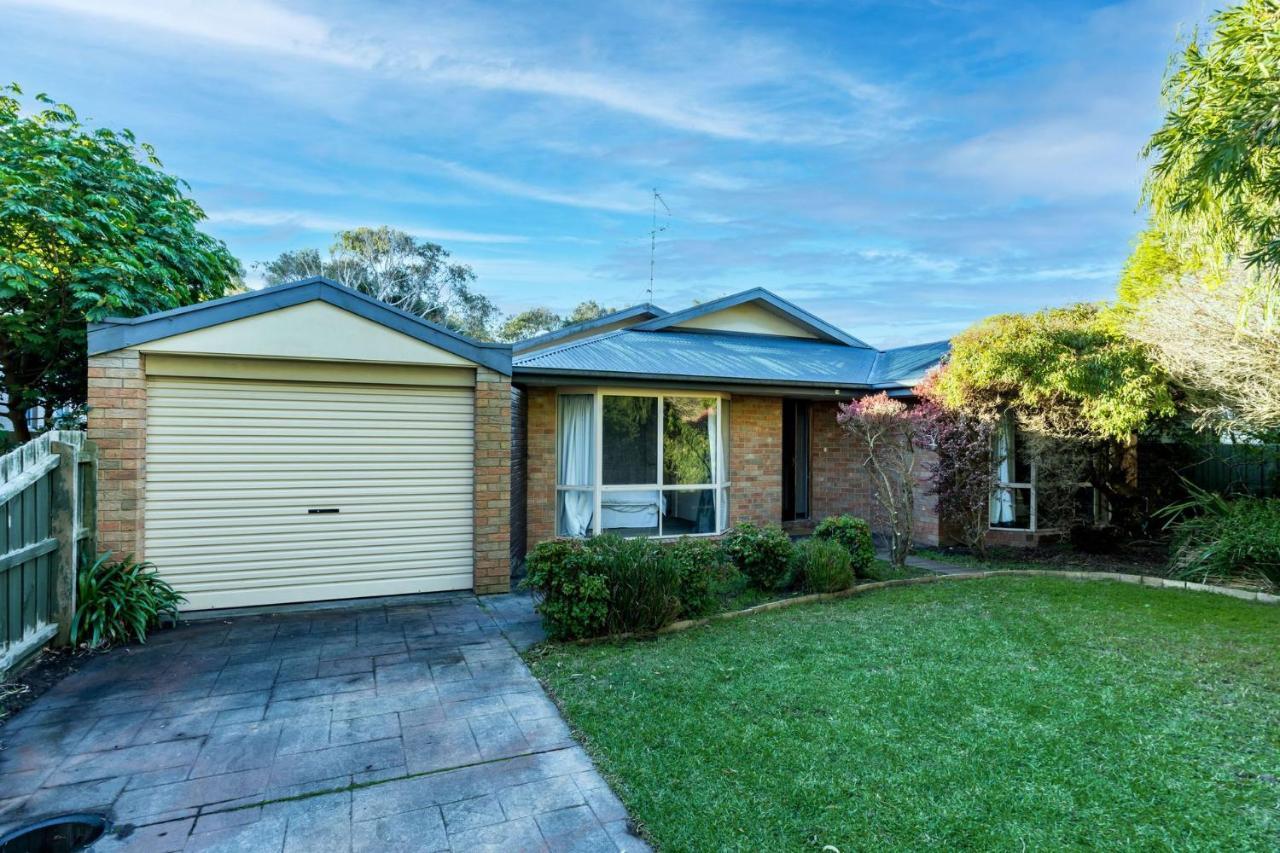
50, 667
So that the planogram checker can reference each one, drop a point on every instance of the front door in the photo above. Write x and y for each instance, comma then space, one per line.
795, 459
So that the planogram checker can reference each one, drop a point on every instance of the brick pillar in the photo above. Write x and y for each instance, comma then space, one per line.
492, 523
118, 426
755, 460
540, 465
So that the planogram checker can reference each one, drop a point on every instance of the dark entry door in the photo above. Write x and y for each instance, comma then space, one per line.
795, 459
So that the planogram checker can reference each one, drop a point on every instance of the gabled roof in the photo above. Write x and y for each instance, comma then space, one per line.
705, 356
639, 313
120, 333
765, 299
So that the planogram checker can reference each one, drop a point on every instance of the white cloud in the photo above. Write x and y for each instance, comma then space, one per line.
618, 198
307, 221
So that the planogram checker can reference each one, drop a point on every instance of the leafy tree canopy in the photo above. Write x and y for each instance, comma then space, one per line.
90, 227
413, 275
1065, 372
540, 320
1214, 183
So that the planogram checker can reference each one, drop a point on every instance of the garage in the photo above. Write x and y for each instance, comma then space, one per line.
303, 443
264, 492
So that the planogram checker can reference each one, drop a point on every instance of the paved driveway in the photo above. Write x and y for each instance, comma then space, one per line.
407, 727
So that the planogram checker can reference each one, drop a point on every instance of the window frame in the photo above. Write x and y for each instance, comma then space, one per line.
720, 491
1101, 511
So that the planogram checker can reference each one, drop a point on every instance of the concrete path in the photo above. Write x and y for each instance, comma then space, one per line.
404, 726
925, 564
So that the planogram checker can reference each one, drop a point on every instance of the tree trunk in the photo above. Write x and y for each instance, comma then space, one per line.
20, 430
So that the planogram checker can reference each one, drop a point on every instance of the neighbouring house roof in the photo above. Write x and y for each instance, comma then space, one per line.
121, 333
635, 314
817, 357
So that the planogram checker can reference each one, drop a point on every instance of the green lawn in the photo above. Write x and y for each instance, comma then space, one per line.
999, 714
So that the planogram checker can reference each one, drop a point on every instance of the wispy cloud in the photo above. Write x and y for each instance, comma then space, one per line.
306, 221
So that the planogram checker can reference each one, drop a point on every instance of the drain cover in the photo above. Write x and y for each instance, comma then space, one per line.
56, 835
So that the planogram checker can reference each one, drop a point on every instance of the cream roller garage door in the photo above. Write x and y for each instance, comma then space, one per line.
269, 492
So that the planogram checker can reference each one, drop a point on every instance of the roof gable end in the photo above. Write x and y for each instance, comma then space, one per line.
755, 311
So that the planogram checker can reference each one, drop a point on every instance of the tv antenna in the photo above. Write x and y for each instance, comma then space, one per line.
654, 231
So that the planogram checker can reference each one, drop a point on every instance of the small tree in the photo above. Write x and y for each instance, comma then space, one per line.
90, 227
961, 477
886, 430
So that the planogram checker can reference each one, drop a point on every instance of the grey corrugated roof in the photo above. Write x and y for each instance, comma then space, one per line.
907, 365
642, 311
731, 357
707, 356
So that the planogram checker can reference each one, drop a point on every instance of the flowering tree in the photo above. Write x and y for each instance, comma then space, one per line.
961, 476
886, 429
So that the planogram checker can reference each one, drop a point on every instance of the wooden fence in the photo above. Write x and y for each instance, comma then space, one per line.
47, 509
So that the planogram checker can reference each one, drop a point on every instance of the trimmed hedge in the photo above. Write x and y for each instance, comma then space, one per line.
855, 535
763, 554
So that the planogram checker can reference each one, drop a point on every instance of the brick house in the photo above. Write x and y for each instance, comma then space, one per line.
305, 442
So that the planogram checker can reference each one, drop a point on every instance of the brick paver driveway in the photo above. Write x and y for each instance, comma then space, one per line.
414, 726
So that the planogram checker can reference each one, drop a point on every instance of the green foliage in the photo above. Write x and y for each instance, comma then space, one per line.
1221, 540
703, 570
393, 266
644, 587
1065, 372
822, 565
117, 602
763, 554
611, 585
541, 319
1212, 182
854, 534
90, 227
1154, 265
572, 588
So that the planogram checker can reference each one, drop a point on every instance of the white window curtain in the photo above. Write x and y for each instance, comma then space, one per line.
576, 467
1002, 498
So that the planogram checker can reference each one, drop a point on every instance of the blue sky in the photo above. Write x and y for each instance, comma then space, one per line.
899, 168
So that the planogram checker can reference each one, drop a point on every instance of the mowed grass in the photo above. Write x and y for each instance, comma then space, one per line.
998, 714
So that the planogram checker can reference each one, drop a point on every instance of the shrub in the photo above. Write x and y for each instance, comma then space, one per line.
763, 554
703, 570
1225, 540
855, 535
643, 586
120, 601
572, 589
823, 565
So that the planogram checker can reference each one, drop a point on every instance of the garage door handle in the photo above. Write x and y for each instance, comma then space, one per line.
326, 511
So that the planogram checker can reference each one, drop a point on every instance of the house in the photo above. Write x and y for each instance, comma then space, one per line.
306, 442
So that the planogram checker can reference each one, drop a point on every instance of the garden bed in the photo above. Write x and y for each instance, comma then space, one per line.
981, 714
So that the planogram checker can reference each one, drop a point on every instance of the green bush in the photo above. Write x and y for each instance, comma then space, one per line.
644, 588
1219, 540
704, 570
572, 588
763, 554
823, 565
855, 535
117, 602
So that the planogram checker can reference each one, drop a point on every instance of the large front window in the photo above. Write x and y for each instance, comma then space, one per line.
641, 464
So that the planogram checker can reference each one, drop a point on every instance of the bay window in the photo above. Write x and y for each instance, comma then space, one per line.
641, 464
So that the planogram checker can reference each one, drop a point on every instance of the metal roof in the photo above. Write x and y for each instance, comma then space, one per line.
767, 300
907, 365
119, 333
642, 311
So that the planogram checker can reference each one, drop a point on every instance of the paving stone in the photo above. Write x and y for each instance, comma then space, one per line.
324, 687
215, 821
212, 703
541, 796
530, 706
439, 746
474, 707
246, 677
404, 677
256, 837
420, 830
546, 733
344, 666
153, 838
335, 760
178, 728
297, 669
121, 762
498, 736
625, 839
574, 830
605, 804
138, 804
314, 823
360, 729
516, 835
473, 812
304, 734
234, 749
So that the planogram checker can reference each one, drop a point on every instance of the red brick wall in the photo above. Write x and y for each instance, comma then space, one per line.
540, 465
755, 460
492, 542
118, 426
